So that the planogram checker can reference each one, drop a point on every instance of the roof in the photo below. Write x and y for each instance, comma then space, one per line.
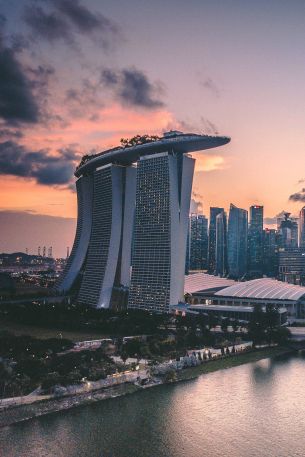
263, 288
181, 143
198, 282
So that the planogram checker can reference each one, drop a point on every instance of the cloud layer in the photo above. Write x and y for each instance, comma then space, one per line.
63, 19
132, 87
17, 101
16, 160
298, 196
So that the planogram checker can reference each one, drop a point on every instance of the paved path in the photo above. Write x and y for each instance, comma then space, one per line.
89, 386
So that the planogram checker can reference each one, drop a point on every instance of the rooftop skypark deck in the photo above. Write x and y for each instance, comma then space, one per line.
132, 150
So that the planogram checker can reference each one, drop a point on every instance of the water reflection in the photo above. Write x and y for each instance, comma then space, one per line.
255, 409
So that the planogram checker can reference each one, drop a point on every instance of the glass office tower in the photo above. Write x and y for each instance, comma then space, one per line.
237, 242
255, 241
221, 267
214, 211
198, 242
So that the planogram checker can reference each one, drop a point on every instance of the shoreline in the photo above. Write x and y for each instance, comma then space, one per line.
21, 413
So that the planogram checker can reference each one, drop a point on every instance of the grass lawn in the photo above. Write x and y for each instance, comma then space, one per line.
41, 332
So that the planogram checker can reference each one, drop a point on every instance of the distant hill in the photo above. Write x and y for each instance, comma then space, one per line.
21, 258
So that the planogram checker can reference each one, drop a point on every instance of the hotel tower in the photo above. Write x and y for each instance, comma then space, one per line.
133, 210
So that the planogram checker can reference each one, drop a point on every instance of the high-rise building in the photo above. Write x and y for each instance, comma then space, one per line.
198, 242
221, 267
255, 241
111, 231
292, 265
188, 248
133, 222
164, 185
214, 211
270, 253
288, 232
237, 241
302, 228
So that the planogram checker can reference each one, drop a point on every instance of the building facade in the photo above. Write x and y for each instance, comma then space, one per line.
221, 267
270, 253
214, 211
198, 242
237, 242
288, 232
164, 186
302, 228
292, 265
255, 241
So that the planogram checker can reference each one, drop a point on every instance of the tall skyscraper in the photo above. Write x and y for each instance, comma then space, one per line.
214, 211
270, 253
164, 186
255, 241
288, 232
221, 268
108, 255
198, 242
237, 241
133, 222
302, 228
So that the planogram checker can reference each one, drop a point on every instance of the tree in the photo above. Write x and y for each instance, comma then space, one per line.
213, 321
256, 326
171, 376
224, 324
124, 357
282, 335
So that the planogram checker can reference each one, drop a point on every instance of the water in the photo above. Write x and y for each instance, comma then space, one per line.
254, 410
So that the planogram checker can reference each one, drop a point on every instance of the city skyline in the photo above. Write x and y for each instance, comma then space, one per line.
110, 87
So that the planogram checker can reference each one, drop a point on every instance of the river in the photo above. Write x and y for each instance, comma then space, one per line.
254, 410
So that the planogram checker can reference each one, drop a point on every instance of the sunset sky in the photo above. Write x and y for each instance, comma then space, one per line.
77, 75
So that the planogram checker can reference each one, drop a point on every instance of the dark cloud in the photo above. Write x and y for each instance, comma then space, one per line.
83, 100
133, 88
87, 22
16, 160
17, 102
208, 126
204, 126
2, 20
18, 42
210, 85
10, 133
298, 196
47, 25
301, 181
61, 19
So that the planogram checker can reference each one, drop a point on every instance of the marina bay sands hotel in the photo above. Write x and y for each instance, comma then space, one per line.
133, 210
